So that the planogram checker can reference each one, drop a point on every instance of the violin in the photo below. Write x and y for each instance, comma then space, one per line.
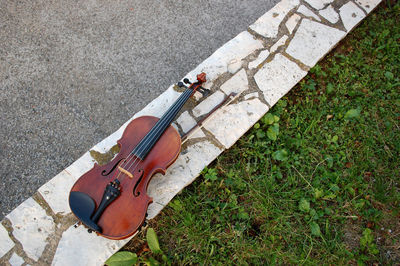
112, 199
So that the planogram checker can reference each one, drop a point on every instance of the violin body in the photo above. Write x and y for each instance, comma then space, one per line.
126, 213
112, 199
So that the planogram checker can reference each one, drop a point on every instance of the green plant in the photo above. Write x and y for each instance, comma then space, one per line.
367, 246
127, 258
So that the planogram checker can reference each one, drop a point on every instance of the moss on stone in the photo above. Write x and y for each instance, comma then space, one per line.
103, 158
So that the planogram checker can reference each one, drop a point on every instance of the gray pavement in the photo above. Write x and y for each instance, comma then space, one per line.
72, 72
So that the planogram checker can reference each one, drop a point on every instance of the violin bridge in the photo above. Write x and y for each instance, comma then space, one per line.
125, 172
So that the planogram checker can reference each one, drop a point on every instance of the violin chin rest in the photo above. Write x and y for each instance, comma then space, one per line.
83, 206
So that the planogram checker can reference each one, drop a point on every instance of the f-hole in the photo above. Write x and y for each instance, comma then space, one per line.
137, 193
104, 172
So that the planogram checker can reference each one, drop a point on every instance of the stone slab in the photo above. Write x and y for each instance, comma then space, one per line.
56, 192
351, 15
5, 240
234, 65
312, 41
368, 5
307, 12
16, 260
268, 24
208, 104
329, 14
233, 51
261, 58
183, 172
198, 133
234, 120
277, 77
291, 23
31, 227
279, 43
237, 84
80, 166
93, 249
318, 4
251, 95
186, 121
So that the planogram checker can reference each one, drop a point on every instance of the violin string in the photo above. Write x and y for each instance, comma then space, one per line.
165, 119
155, 130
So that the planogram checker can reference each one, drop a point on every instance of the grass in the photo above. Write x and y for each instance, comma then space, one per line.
316, 180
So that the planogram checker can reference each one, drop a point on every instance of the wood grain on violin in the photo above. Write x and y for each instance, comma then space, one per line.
112, 199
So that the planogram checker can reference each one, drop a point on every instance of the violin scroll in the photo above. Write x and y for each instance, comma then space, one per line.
201, 78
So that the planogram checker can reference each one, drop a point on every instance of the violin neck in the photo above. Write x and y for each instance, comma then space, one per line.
151, 138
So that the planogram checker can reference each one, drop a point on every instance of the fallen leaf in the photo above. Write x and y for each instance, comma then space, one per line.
122, 258
280, 155
352, 113
315, 230
304, 205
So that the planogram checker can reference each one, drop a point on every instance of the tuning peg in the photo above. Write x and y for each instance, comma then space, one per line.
180, 84
186, 80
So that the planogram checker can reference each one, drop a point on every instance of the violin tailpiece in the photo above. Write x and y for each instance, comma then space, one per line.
83, 206
111, 192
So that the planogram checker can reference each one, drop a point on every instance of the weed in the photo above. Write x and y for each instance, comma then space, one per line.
148, 254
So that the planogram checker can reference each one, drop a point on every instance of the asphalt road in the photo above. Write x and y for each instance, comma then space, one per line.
72, 72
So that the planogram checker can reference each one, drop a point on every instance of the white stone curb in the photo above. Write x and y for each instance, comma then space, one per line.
274, 54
